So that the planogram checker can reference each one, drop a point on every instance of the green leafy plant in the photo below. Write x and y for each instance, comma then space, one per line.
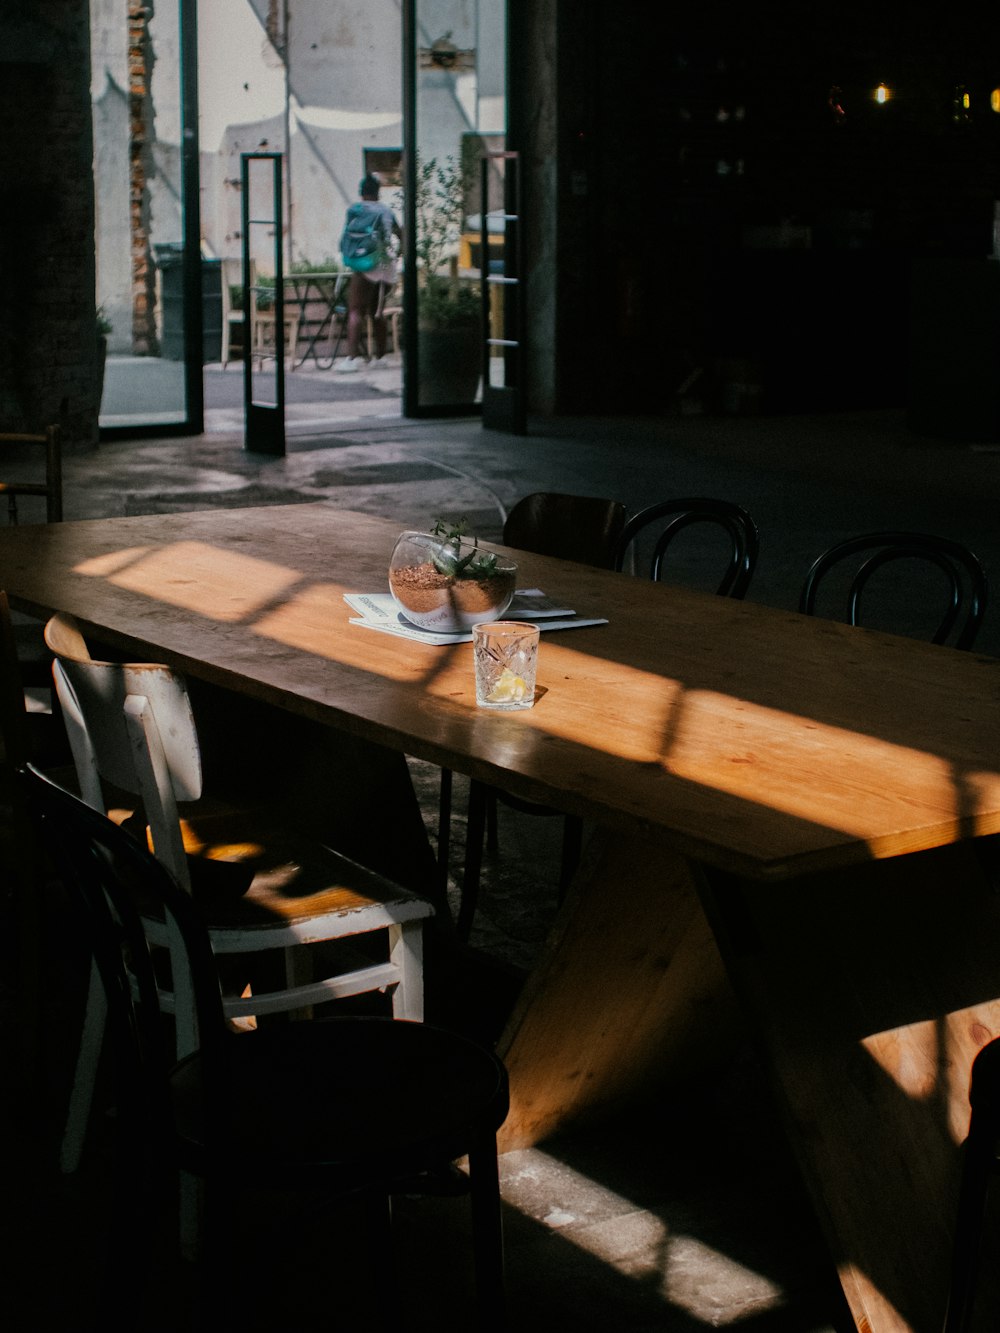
445, 299
103, 323
448, 558
264, 289
326, 265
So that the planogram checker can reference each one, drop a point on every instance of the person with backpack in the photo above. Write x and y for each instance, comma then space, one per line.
368, 250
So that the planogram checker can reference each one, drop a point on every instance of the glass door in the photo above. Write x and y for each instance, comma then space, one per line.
455, 116
266, 331
159, 303
504, 406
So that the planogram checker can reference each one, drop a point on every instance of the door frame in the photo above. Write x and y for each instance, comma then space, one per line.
193, 422
412, 406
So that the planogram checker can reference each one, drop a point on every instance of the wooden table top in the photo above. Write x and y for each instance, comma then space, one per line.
755, 740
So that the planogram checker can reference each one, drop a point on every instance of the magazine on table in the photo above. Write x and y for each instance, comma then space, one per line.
378, 610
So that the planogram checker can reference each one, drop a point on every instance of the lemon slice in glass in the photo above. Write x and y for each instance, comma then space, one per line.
508, 689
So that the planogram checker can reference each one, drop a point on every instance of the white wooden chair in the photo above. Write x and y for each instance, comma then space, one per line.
234, 319
260, 887
392, 313
261, 322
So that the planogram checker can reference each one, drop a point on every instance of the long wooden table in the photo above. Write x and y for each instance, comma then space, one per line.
812, 791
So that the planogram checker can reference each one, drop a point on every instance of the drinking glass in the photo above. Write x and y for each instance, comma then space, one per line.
505, 653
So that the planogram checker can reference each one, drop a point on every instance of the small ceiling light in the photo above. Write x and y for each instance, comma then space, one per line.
882, 94
995, 99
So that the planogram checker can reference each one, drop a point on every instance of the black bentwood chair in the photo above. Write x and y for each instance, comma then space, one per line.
584, 528
964, 592
668, 518
361, 1107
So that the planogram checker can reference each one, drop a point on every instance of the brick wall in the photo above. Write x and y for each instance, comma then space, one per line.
141, 138
48, 342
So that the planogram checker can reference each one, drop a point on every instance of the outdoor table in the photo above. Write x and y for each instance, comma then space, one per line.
316, 296
813, 791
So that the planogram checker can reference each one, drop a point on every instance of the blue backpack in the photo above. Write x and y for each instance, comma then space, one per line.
363, 240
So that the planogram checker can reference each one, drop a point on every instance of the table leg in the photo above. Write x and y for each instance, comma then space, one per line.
871, 992
629, 992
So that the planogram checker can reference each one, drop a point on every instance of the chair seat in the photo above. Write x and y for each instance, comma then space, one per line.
282, 889
278, 890
363, 1100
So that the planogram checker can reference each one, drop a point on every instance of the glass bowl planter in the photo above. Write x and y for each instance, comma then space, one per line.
448, 584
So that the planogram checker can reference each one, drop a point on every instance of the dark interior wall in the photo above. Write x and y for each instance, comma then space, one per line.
48, 341
745, 224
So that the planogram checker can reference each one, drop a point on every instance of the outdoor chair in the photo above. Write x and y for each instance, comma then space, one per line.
668, 518
262, 886
357, 1107
234, 319
392, 314
964, 587
262, 320
571, 527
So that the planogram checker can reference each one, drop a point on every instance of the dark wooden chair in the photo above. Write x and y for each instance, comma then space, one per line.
965, 587
358, 1107
49, 488
571, 527
22, 477
664, 521
979, 1169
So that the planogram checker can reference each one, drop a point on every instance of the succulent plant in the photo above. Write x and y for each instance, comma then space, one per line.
448, 558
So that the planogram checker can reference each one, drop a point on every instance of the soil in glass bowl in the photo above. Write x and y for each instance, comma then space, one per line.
434, 600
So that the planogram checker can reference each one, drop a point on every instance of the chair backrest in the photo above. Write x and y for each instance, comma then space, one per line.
573, 527
51, 488
132, 725
113, 880
965, 588
670, 517
231, 274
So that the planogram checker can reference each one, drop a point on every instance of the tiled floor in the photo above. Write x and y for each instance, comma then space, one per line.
691, 1215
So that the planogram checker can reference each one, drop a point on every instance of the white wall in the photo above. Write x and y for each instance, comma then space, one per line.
109, 84
339, 92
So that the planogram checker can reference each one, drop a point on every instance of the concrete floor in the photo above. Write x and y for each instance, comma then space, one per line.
691, 1215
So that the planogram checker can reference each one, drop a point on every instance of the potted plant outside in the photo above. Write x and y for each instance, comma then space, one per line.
103, 327
449, 308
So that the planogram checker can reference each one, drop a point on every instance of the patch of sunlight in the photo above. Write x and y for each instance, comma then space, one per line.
930, 1060
340, 118
196, 576
688, 1273
764, 754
